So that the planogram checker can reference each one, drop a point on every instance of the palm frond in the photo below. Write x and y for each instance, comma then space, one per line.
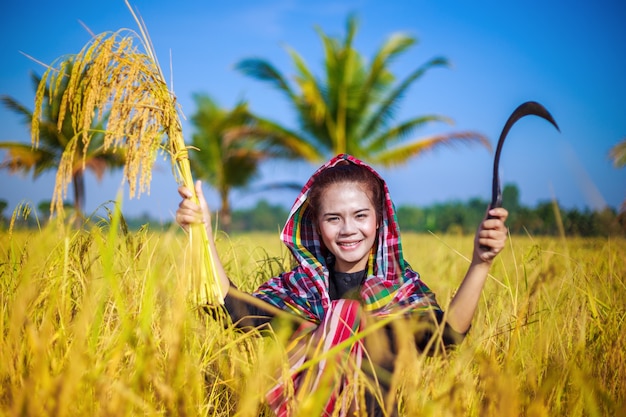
312, 101
376, 77
618, 154
15, 106
401, 154
300, 145
264, 71
391, 136
340, 60
23, 158
385, 110
99, 163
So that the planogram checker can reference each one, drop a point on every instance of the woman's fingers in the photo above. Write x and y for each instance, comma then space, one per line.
498, 213
188, 210
184, 192
493, 240
199, 192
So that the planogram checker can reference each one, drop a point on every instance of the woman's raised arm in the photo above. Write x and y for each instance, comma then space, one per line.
488, 242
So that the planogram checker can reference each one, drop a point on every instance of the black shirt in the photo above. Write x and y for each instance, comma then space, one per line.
346, 285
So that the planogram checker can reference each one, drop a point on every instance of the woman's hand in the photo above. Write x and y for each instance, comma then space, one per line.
189, 212
491, 236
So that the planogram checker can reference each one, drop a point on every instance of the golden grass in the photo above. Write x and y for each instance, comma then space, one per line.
99, 322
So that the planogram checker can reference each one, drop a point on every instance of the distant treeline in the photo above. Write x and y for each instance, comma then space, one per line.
547, 218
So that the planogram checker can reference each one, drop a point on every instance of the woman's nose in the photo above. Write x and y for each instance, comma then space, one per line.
348, 227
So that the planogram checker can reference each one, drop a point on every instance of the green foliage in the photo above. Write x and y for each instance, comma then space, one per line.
547, 218
263, 217
454, 217
3, 206
229, 147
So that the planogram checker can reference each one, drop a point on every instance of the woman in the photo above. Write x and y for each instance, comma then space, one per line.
351, 274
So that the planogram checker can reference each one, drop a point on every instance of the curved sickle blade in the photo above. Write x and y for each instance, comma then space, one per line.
524, 109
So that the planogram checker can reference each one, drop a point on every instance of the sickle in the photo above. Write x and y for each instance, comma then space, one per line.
524, 109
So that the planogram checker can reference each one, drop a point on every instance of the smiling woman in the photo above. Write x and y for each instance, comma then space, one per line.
352, 297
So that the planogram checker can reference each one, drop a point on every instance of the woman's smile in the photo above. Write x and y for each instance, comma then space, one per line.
349, 245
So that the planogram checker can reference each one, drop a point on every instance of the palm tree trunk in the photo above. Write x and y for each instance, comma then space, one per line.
78, 182
226, 216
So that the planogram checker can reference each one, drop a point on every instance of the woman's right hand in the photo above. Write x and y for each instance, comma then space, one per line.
189, 212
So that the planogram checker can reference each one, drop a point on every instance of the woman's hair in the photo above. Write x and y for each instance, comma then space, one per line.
346, 172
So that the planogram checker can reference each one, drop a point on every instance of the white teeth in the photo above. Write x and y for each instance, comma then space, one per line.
348, 244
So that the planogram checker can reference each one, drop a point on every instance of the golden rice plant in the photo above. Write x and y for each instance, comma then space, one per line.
116, 79
92, 324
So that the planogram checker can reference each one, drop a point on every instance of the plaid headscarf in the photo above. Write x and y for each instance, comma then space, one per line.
390, 284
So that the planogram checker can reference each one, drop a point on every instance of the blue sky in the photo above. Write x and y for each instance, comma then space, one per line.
568, 56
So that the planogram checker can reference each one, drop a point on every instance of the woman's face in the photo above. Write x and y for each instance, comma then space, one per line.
347, 224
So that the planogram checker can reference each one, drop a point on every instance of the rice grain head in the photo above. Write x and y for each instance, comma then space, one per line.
115, 81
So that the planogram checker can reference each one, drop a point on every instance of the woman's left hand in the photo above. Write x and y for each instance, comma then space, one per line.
491, 236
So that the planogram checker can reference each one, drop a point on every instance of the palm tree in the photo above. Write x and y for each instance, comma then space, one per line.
53, 140
231, 144
350, 108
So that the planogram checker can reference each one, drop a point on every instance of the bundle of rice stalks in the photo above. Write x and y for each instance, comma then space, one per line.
116, 81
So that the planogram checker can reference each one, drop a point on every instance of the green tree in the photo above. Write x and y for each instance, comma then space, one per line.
264, 216
475, 211
411, 218
350, 108
511, 200
53, 140
3, 206
231, 145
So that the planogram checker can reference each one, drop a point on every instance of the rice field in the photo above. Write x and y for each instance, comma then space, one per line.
99, 322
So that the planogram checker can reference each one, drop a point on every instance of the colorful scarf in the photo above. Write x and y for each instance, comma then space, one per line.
332, 376
390, 285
